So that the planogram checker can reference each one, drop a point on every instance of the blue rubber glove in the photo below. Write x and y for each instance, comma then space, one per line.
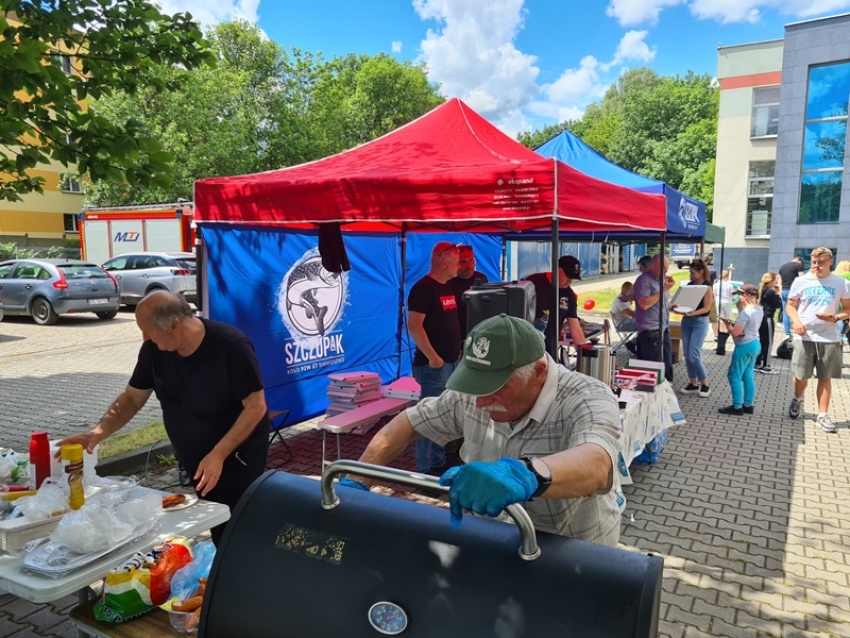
357, 485
487, 488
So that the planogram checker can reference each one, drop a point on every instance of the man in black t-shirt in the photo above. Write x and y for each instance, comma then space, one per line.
467, 277
208, 381
569, 269
788, 272
433, 323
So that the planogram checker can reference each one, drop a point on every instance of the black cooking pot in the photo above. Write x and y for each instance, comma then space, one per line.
293, 565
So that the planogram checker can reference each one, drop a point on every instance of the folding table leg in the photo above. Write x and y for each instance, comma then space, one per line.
324, 449
338, 447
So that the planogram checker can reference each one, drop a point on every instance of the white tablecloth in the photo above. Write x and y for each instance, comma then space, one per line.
647, 414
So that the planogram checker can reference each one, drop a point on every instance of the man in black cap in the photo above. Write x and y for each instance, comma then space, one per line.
569, 269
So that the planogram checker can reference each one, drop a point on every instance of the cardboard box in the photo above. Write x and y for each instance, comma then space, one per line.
676, 347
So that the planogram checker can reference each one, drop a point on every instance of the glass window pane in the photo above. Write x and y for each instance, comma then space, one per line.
758, 215
820, 197
829, 90
765, 121
762, 169
759, 187
823, 146
769, 95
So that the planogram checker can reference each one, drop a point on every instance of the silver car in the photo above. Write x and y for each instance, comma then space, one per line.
47, 288
140, 273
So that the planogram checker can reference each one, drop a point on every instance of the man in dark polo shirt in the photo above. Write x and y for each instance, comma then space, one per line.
569, 270
434, 325
467, 277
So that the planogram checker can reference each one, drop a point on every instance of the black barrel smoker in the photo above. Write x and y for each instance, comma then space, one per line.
304, 560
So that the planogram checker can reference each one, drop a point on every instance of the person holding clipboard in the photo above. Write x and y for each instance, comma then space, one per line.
693, 302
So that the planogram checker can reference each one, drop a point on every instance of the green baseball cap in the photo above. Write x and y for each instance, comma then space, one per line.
492, 351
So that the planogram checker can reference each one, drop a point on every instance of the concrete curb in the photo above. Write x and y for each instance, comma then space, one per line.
134, 460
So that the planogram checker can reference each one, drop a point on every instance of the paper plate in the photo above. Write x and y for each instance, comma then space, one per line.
191, 499
682, 309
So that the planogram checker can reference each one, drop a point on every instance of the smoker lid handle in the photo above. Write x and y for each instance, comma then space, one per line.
529, 550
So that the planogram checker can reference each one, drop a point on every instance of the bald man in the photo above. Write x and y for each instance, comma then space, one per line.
207, 378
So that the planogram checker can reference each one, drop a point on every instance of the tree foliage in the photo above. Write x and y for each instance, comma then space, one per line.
263, 107
662, 127
109, 47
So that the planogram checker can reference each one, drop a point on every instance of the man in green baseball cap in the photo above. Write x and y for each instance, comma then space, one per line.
534, 433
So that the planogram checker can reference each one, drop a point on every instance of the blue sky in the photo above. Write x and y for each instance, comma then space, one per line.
522, 63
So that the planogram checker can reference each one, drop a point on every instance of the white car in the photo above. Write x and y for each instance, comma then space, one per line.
140, 273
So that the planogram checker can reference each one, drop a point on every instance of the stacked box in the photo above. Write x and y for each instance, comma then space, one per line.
349, 390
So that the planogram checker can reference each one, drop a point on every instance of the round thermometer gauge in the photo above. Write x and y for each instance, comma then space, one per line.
388, 618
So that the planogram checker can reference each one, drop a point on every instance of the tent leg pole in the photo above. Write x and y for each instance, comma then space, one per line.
401, 321
664, 313
554, 314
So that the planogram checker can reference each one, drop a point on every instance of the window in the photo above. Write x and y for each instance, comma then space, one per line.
63, 61
823, 144
806, 255
765, 120
71, 184
760, 198
71, 223
6, 270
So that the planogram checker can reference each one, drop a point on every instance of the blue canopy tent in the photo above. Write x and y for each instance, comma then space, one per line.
685, 215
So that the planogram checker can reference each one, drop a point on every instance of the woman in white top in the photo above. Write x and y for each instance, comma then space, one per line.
723, 293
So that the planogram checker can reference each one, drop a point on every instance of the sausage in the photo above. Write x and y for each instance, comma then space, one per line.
190, 604
172, 500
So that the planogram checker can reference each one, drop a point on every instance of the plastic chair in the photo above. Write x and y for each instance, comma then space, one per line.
624, 336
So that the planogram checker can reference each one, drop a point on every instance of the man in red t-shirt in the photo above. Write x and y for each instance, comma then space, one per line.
433, 323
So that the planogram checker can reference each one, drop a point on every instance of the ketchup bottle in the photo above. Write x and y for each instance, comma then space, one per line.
39, 467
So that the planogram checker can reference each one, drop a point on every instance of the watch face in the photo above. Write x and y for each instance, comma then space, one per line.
541, 468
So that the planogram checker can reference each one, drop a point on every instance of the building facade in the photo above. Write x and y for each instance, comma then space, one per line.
781, 186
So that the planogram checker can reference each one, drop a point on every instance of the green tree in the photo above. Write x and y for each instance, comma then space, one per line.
120, 47
263, 108
533, 139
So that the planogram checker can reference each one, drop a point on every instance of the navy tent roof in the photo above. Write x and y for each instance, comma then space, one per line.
685, 215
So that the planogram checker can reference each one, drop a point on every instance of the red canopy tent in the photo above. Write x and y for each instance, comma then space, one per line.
448, 170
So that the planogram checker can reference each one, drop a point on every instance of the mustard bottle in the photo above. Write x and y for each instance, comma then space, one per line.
72, 457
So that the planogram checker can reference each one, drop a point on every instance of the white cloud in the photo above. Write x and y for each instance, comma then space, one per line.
212, 12
396, 46
472, 55
634, 12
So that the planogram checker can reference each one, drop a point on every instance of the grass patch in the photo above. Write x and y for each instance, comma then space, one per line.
606, 296
139, 438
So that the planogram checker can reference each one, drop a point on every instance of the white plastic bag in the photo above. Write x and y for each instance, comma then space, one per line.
14, 468
106, 519
49, 501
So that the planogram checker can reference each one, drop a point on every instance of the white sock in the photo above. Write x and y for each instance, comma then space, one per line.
820, 414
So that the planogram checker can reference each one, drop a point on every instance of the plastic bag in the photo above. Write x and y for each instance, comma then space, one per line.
14, 468
184, 584
105, 519
143, 582
49, 501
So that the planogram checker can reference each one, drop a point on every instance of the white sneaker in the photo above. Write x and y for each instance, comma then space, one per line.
826, 424
768, 370
704, 391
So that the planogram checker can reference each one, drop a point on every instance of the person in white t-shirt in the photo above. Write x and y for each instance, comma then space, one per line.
817, 302
623, 314
723, 294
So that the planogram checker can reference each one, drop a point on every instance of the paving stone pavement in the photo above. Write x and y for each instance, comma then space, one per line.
61, 378
749, 513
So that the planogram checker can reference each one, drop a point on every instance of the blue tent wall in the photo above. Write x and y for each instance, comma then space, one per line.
534, 256
685, 215
264, 281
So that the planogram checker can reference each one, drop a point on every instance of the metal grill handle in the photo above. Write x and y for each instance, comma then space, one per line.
529, 550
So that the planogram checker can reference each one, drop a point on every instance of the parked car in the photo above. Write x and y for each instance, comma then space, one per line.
140, 273
47, 288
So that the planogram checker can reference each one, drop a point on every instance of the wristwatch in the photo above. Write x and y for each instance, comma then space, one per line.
541, 471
